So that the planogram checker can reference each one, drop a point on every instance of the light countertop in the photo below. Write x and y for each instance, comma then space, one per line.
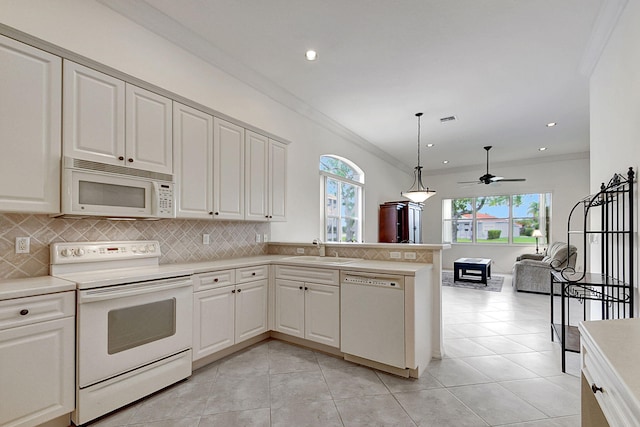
30, 286
16, 288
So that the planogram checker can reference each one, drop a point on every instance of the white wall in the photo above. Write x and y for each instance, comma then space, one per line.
96, 32
567, 179
615, 105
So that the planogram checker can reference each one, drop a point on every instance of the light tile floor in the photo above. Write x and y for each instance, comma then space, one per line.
500, 369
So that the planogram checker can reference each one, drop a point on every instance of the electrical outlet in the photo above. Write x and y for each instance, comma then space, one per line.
205, 239
23, 245
409, 255
300, 250
265, 237
257, 237
394, 255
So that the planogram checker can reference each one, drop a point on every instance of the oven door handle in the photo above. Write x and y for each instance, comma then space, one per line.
123, 291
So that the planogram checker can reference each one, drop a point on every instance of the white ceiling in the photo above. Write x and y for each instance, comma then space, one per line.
504, 68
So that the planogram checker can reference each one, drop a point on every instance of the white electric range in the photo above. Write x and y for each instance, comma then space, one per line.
133, 323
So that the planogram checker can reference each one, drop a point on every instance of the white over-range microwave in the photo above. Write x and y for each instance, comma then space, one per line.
98, 189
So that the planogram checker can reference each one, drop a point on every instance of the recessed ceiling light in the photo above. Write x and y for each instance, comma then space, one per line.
445, 161
551, 124
542, 148
311, 55
430, 145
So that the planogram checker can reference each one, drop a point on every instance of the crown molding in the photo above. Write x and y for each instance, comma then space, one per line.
147, 16
606, 21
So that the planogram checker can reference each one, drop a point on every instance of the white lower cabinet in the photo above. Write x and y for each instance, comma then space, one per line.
37, 363
308, 310
230, 306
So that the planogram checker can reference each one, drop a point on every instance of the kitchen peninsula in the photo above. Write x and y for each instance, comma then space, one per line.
297, 298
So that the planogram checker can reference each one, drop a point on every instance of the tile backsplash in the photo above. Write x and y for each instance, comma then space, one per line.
180, 240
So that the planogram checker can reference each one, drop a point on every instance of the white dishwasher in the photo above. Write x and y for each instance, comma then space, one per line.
372, 317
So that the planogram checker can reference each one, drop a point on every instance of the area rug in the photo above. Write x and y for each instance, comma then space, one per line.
494, 284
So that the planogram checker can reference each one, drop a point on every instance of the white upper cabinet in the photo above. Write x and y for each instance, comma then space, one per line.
193, 162
277, 181
257, 184
30, 121
228, 170
93, 106
109, 121
148, 130
266, 160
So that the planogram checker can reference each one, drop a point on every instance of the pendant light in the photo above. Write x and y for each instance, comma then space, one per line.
418, 192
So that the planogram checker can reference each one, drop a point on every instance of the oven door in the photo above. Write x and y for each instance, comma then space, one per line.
121, 328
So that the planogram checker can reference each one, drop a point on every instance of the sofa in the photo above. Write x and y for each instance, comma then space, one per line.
531, 272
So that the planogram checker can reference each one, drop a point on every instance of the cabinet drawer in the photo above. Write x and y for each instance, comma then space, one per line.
323, 276
28, 310
249, 274
611, 399
214, 279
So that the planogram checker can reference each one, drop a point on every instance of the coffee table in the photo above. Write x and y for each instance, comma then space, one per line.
472, 270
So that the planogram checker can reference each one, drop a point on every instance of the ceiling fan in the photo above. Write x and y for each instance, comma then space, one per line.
487, 178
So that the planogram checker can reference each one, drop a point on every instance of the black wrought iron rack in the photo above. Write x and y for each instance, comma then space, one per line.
607, 219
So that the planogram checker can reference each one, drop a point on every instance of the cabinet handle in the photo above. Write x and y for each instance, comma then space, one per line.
130, 160
24, 312
306, 289
253, 274
215, 280
121, 158
210, 213
270, 216
239, 290
266, 216
217, 213
300, 287
233, 291
595, 388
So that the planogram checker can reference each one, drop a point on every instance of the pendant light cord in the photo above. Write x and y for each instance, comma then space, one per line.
418, 115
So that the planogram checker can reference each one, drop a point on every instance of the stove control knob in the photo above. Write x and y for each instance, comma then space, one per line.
80, 252
134, 249
66, 252
142, 249
151, 248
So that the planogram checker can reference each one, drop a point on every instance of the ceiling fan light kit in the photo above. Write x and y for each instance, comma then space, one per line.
418, 193
488, 178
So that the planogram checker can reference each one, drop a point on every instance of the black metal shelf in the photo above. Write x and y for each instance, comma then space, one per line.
610, 291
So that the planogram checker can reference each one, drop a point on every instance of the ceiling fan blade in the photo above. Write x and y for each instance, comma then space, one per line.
513, 180
469, 182
496, 178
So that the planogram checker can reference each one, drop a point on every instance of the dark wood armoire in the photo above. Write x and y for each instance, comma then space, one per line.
400, 222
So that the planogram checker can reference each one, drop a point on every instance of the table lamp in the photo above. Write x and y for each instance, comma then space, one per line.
537, 234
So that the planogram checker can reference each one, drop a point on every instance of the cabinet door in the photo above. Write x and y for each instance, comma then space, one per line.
228, 170
213, 317
290, 307
251, 309
37, 372
193, 161
256, 175
30, 120
93, 105
322, 314
149, 139
277, 181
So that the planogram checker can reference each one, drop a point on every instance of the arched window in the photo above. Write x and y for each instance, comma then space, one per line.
342, 185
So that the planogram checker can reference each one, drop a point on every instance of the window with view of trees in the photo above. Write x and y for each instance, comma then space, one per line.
508, 219
342, 187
